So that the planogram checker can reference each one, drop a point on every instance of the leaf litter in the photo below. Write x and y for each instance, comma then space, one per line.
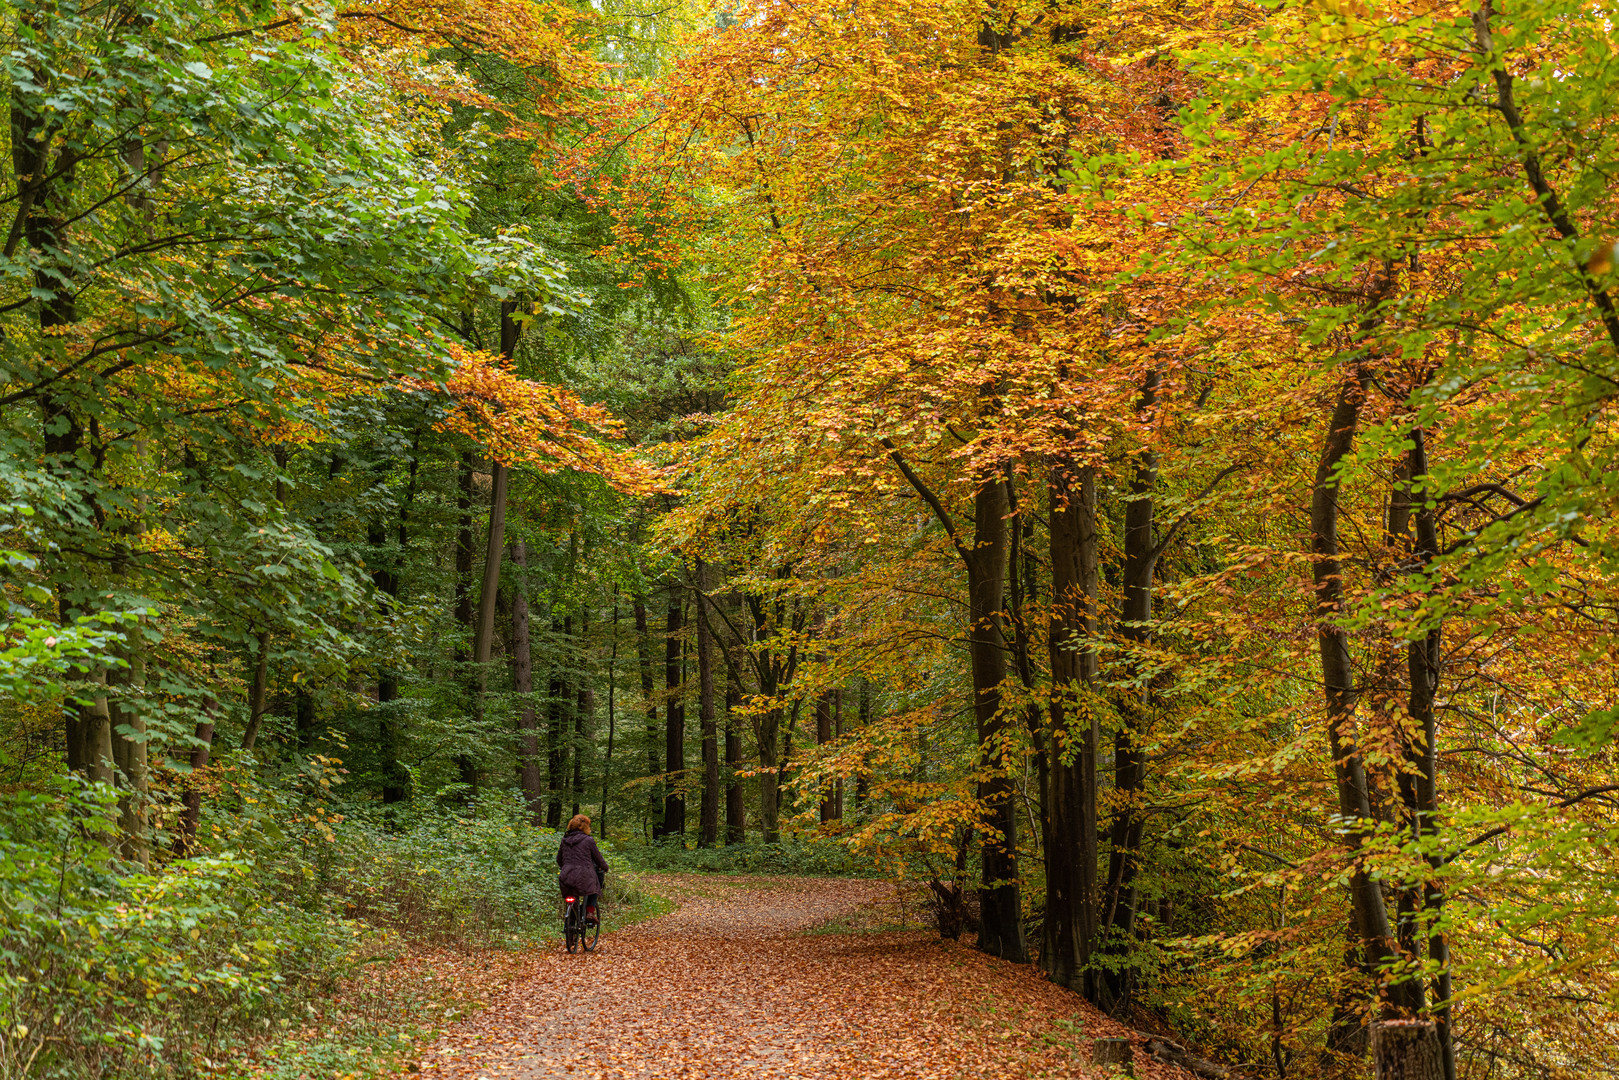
737, 982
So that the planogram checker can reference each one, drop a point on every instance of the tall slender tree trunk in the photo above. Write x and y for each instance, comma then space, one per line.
736, 820
674, 715
483, 643
985, 557
131, 754
528, 733
768, 734
823, 735
43, 184
837, 733
770, 775
1338, 680
64, 438
96, 718
1000, 897
862, 784
612, 687
185, 836
395, 780
557, 739
584, 712
304, 718
791, 713
1420, 783
257, 692
643, 641
465, 764
464, 554
1069, 933
1118, 915
709, 815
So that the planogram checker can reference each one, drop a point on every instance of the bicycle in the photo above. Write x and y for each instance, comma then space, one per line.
577, 929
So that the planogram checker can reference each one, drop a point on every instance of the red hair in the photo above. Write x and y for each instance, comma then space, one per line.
580, 822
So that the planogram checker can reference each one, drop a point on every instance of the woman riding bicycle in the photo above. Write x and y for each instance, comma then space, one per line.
583, 867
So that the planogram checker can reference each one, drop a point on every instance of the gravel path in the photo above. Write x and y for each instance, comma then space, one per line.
774, 978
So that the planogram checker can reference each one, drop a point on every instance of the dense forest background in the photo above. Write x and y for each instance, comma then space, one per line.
1143, 471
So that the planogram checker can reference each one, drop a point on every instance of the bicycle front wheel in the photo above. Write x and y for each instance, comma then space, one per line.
589, 933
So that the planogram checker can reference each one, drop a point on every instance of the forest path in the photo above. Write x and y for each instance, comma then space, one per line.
774, 978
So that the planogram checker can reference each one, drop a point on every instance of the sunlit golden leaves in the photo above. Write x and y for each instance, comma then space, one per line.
542, 426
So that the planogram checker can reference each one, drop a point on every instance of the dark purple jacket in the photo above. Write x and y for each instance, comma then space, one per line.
580, 859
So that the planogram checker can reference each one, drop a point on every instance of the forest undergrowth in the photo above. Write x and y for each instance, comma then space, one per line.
309, 936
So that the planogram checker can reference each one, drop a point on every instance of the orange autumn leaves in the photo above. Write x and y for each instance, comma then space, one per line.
539, 425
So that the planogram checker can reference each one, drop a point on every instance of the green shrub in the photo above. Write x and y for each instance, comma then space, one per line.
108, 969
482, 876
806, 858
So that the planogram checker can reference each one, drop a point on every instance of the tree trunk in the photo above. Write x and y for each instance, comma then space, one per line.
709, 815
768, 735
483, 644
395, 780
96, 718
1337, 671
785, 754
736, 820
257, 693
612, 687
131, 754
43, 186
483, 635
464, 553
1423, 666
769, 741
674, 714
1068, 935
837, 733
1406, 1050
643, 641
770, 775
862, 784
528, 727
1118, 915
823, 735
304, 718
185, 837
557, 738
1000, 898
583, 713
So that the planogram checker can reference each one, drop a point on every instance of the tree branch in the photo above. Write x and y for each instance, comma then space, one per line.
1588, 793
1551, 205
1170, 533
928, 497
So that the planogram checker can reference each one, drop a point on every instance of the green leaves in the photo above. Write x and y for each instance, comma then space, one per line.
1592, 733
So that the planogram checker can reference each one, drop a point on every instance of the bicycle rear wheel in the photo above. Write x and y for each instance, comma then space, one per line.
570, 926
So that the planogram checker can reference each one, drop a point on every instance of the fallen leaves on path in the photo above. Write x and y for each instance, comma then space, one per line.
738, 983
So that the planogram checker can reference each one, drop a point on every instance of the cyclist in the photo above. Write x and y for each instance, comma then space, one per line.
583, 867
